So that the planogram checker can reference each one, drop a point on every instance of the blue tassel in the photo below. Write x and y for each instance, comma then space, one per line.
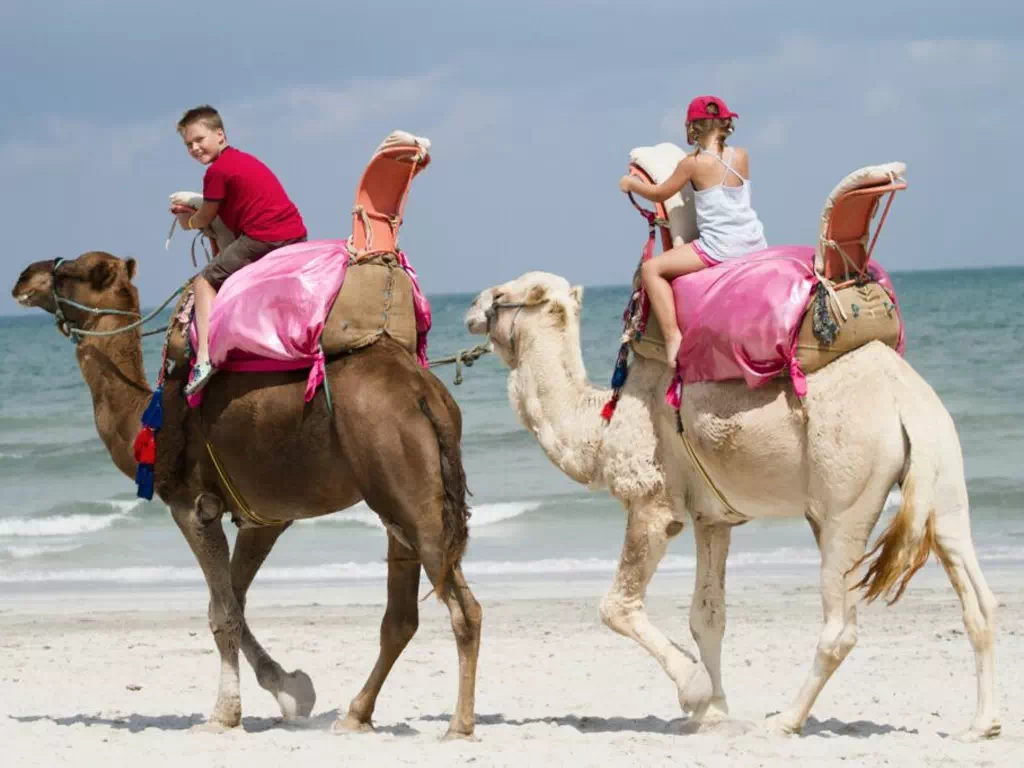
144, 480
153, 417
621, 371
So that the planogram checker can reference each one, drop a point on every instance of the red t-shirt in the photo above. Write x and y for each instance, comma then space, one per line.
252, 201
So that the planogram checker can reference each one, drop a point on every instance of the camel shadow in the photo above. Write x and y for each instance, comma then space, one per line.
584, 723
858, 729
135, 723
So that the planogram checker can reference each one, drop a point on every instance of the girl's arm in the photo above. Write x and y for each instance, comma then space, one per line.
658, 193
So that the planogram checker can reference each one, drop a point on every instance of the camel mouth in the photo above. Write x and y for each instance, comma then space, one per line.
476, 321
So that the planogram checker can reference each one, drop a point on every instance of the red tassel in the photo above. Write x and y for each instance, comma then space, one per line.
609, 408
144, 448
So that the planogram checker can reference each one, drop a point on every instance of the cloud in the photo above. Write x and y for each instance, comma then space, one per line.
300, 113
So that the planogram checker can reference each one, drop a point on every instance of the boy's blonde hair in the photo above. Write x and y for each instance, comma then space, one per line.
698, 130
204, 114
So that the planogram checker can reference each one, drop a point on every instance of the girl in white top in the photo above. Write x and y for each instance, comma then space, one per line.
728, 227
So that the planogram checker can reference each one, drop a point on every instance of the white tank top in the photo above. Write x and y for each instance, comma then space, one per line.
728, 226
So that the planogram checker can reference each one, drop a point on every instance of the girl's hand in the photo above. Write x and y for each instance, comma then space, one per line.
626, 184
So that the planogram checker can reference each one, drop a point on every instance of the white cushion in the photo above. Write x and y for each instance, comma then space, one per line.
659, 162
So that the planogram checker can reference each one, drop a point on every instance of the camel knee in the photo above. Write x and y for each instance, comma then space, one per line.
980, 623
225, 624
617, 614
467, 619
836, 642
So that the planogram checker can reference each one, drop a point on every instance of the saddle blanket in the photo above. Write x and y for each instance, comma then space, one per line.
741, 319
270, 315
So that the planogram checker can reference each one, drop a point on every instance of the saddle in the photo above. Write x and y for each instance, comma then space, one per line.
852, 306
326, 297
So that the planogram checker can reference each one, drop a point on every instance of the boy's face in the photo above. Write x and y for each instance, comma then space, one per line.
204, 143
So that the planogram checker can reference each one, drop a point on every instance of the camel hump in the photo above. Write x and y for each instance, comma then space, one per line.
376, 300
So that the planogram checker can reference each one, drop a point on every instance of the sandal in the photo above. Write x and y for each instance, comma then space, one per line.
201, 374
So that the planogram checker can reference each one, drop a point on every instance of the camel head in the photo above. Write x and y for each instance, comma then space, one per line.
513, 313
95, 279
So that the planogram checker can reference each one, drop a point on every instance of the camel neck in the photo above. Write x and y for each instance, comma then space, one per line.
113, 370
554, 399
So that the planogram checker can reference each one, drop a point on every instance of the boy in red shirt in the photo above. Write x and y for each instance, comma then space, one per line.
249, 200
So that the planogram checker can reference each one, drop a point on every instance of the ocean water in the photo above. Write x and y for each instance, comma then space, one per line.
69, 518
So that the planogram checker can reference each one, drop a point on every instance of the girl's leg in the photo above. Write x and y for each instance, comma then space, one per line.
657, 274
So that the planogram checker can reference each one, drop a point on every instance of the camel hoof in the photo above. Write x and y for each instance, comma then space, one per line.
978, 733
695, 696
717, 712
211, 726
296, 696
453, 735
349, 724
782, 725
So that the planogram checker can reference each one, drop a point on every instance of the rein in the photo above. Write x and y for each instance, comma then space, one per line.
491, 313
75, 334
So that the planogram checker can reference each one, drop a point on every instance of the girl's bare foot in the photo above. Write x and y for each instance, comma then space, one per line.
672, 344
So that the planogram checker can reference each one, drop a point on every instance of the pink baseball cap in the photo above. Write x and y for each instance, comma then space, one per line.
698, 109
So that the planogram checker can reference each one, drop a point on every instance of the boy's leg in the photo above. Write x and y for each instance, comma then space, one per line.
657, 274
242, 252
205, 294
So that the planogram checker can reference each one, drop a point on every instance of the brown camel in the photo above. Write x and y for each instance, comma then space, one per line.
391, 438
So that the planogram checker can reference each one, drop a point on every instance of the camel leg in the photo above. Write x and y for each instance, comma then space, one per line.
707, 609
648, 530
467, 619
842, 540
401, 619
293, 691
205, 536
955, 549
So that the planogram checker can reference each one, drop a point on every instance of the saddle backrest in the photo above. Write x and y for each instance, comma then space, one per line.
382, 192
654, 165
843, 249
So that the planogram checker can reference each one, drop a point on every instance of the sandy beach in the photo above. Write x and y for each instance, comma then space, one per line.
122, 677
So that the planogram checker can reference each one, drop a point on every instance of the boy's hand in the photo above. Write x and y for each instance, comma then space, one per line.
626, 183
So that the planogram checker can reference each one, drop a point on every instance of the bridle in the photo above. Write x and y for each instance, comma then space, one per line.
491, 314
75, 333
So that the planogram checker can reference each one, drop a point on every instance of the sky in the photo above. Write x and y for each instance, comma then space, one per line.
532, 107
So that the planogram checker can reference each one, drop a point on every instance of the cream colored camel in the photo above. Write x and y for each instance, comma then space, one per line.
391, 437
868, 422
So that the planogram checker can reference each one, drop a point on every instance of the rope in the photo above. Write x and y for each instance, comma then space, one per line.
703, 472
463, 357
241, 506
141, 321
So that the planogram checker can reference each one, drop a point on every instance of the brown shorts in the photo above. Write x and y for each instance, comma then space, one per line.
242, 252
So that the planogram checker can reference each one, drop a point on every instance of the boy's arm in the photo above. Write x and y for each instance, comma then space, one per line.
200, 219
658, 193
207, 212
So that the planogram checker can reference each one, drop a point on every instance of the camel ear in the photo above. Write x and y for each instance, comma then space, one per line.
129, 265
577, 294
101, 275
537, 294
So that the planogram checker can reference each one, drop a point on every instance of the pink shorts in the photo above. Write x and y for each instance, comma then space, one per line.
703, 255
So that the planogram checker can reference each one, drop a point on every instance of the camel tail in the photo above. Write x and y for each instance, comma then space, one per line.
455, 512
903, 549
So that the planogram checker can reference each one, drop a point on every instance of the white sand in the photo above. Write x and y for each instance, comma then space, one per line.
555, 686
